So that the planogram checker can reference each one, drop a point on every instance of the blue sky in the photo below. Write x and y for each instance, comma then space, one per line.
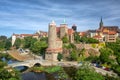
28, 16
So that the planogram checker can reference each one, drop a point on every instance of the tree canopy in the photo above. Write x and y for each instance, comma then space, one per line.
88, 40
5, 44
39, 47
105, 54
65, 39
8, 75
87, 73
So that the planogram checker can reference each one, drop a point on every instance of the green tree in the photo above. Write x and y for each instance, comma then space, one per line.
8, 75
8, 44
105, 54
115, 46
44, 39
76, 37
85, 72
69, 46
83, 39
29, 41
65, 39
3, 38
60, 56
116, 69
81, 54
73, 55
2, 45
93, 58
17, 43
88, 40
118, 59
39, 47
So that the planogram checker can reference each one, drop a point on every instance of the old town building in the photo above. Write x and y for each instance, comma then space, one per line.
37, 35
63, 30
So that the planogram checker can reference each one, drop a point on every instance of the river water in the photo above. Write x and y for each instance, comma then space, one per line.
33, 76
29, 75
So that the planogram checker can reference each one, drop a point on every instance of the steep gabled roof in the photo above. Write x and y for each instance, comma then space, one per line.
111, 28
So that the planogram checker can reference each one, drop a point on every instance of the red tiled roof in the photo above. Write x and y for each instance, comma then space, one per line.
70, 31
35, 35
97, 36
57, 29
26, 35
54, 49
112, 32
82, 33
115, 28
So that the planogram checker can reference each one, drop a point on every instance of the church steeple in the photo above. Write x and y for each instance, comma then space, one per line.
101, 24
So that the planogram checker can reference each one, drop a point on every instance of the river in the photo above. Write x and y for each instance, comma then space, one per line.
27, 75
33, 75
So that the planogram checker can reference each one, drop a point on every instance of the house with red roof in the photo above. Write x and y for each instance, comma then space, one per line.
22, 36
108, 33
104, 33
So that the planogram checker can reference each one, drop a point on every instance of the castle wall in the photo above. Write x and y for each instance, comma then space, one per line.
51, 56
71, 38
59, 44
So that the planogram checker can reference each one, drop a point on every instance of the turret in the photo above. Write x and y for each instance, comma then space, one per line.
74, 27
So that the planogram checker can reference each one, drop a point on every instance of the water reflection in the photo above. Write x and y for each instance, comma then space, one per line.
33, 76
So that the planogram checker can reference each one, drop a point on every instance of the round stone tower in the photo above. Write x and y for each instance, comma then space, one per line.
52, 35
54, 43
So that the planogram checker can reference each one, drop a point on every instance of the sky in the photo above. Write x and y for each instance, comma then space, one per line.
29, 16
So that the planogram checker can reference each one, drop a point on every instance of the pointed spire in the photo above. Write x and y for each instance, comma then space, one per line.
53, 23
101, 24
64, 21
101, 19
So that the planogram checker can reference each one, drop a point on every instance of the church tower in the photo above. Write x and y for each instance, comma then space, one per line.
101, 24
63, 29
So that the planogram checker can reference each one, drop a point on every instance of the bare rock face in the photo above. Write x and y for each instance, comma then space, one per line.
93, 52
